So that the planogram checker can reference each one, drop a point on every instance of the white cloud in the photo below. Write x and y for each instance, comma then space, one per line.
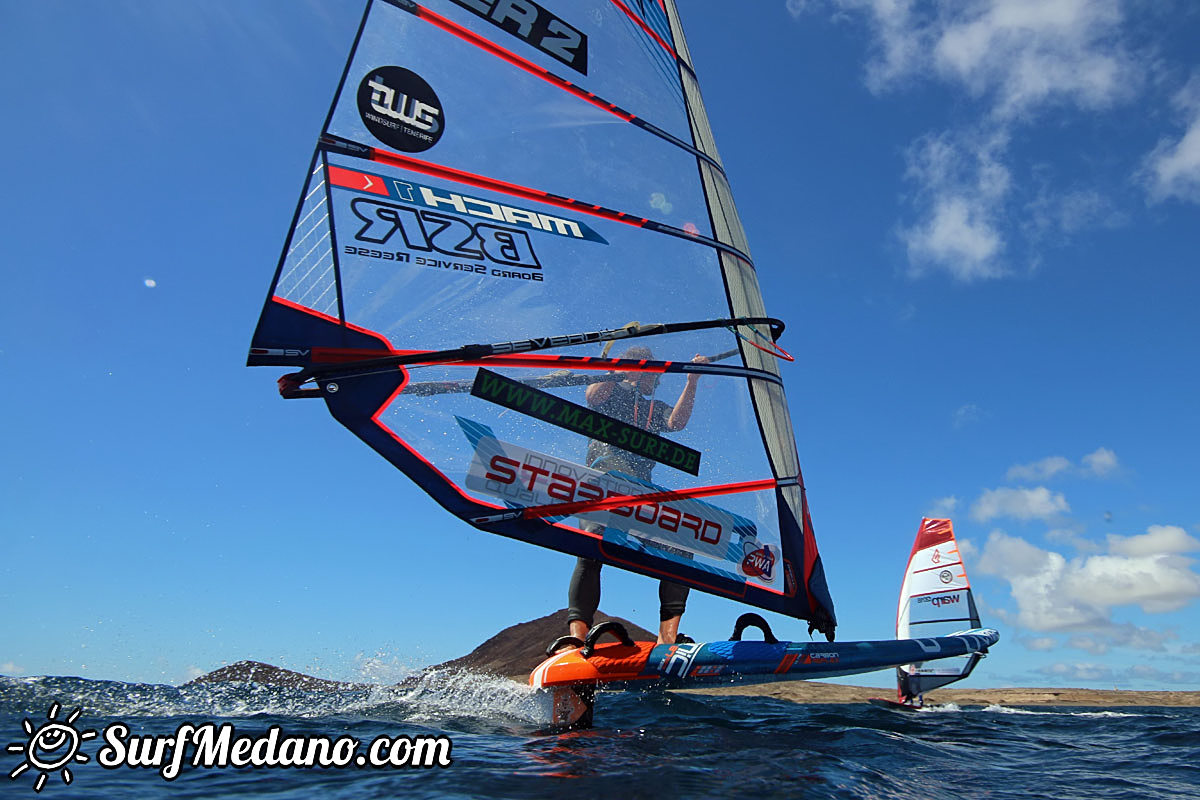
1056, 214
1054, 594
1156, 583
1038, 470
1038, 643
1157, 540
1072, 538
1144, 672
1078, 672
961, 186
1172, 169
959, 237
1031, 53
901, 38
1102, 672
1023, 504
1127, 635
967, 550
11, 669
1018, 55
942, 507
798, 7
1101, 463
1016, 61
967, 414
1036, 578
192, 672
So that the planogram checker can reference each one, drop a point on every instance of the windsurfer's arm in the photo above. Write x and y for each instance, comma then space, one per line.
682, 412
598, 393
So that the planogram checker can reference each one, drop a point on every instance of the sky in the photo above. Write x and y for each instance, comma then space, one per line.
979, 220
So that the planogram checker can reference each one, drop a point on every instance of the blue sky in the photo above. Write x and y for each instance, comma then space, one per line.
978, 219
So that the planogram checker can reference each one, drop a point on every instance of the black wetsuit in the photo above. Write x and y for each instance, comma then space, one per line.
628, 404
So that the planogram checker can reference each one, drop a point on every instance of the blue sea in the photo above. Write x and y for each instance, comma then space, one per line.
655, 745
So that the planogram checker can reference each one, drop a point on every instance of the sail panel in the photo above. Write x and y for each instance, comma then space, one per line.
484, 113
477, 183
935, 600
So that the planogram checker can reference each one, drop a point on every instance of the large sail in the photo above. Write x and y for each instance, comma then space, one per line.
538, 180
935, 600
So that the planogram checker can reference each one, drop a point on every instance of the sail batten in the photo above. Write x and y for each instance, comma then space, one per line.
483, 176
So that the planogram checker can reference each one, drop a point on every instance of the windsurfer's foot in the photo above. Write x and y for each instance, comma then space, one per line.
577, 633
562, 644
683, 638
668, 630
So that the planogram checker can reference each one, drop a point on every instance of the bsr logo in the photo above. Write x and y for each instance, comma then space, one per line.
427, 230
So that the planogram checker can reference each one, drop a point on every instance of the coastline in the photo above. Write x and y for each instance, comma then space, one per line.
799, 691
817, 692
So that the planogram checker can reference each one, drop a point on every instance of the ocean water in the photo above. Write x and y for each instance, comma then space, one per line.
653, 745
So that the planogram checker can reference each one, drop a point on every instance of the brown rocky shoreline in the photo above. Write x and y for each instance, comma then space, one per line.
516, 650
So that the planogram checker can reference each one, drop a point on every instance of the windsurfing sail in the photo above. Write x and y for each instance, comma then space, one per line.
501, 191
935, 600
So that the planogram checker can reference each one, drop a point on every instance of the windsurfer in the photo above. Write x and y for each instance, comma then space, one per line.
629, 396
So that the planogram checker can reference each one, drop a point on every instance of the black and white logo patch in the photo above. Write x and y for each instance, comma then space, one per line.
400, 109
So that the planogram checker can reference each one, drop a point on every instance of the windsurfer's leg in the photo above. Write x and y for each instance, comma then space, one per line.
672, 602
583, 596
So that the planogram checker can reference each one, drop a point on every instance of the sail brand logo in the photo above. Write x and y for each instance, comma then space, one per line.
558, 341
465, 205
566, 489
54, 746
940, 600
496, 212
759, 563
428, 231
400, 109
286, 352
946, 576
820, 658
526, 478
535, 25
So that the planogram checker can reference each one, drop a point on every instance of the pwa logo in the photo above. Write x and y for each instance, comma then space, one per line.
400, 109
429, 231
759, 563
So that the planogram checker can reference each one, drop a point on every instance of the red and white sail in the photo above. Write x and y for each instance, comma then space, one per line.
935, 600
